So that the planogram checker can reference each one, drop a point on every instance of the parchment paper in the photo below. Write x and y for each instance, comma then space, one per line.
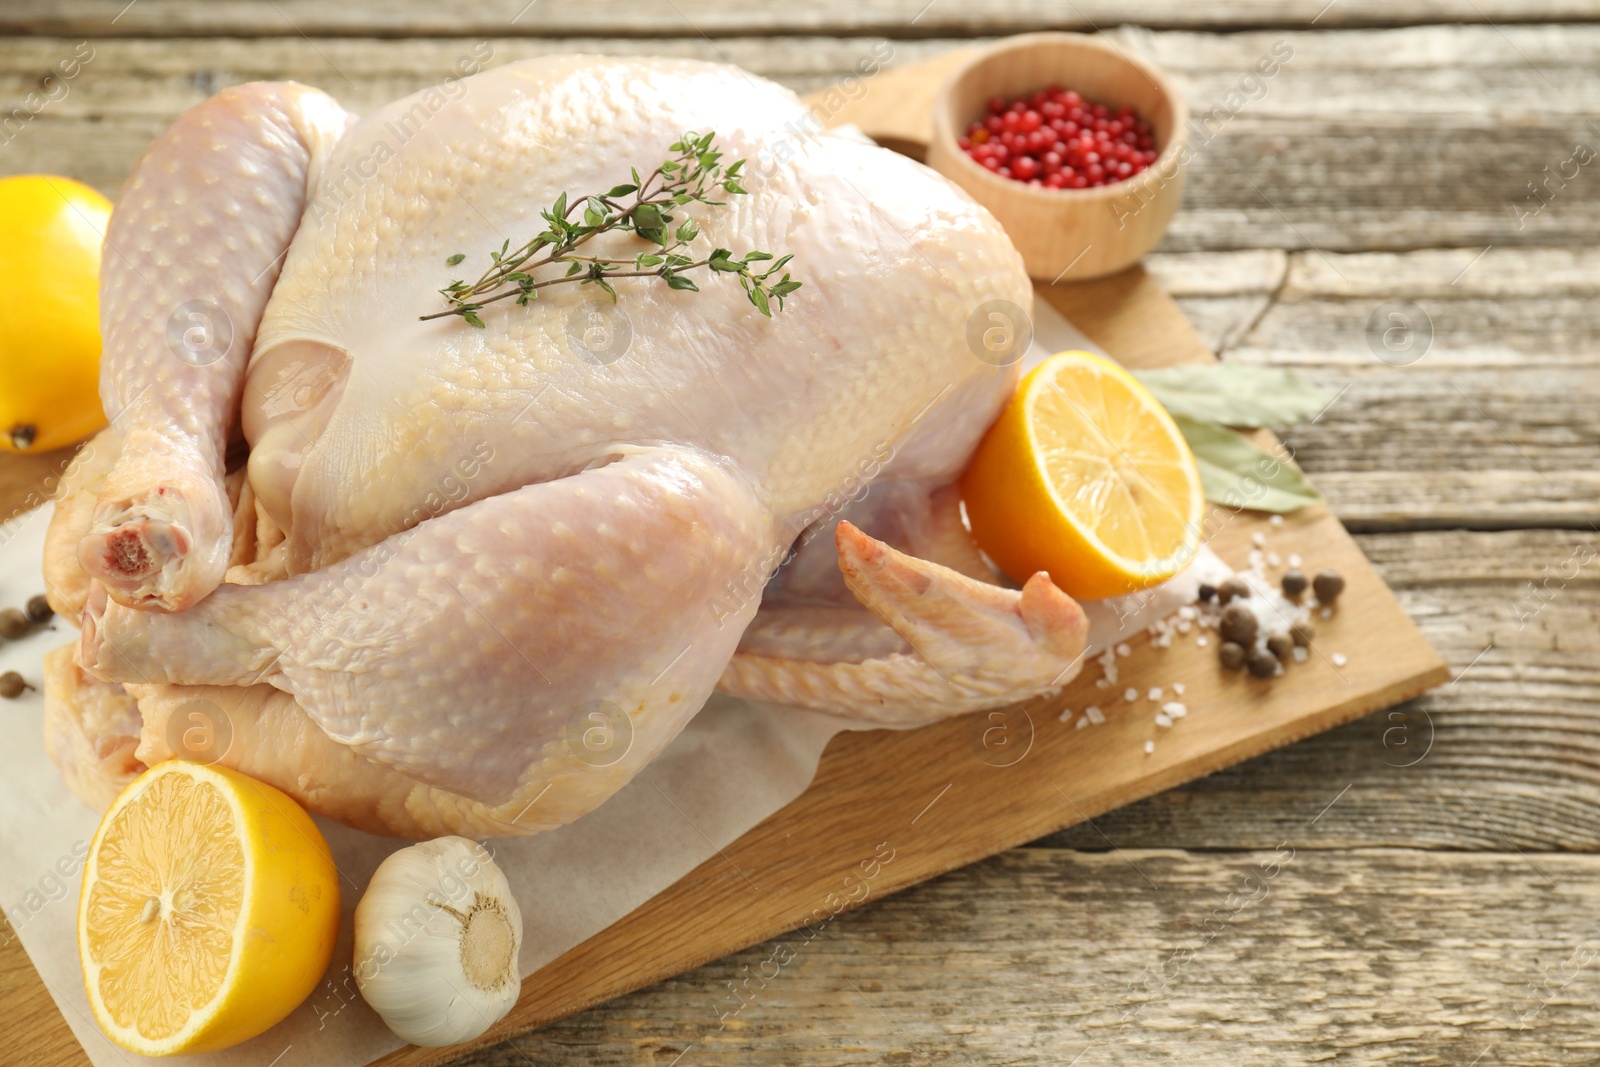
734, 765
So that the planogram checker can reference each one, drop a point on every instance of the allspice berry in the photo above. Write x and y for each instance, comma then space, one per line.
1294, 583
1301, 632
1232, 655
12, 685
1281, 646
13, 624
39, 610
1238, 625
1327, 585
1263, 664
1231, 589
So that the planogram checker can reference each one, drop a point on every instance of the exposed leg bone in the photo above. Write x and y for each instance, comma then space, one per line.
193, 250
66, 582
471, 653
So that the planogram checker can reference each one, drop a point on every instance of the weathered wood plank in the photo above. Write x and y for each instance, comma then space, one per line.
1516, 730
1285, 955
1479, 75
1491, 426
1396, 139
717, 18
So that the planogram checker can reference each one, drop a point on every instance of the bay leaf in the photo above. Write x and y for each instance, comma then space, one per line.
1236, 394
1235, 473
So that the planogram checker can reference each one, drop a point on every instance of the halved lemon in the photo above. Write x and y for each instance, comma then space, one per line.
1086, 476
209, 910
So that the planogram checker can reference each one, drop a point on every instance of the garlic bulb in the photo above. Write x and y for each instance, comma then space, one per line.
436, 942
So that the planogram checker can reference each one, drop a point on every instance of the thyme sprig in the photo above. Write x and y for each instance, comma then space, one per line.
695, 174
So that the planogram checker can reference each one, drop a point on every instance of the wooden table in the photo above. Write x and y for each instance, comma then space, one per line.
1435, 902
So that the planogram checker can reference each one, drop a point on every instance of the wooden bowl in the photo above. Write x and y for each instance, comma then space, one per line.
1067, 233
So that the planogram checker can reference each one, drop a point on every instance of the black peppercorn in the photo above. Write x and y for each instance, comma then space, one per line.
1263, 664
1238, 625
39, 610
1232, 655
1232, 588
1294, 583
1327, 585
1206, 592
13, 624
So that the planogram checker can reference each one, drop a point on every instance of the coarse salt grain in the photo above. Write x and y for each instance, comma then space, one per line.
1185, 626
1258, 539
1066, 713
1300, 654
1082, 723
1093, 714
1202, 641
1274, 560
1101, 683
1276, 520
1294, 559
1162, 720
1130, 694
1327, 613
1177, 687
1155, 692
1149, 747
1124, 649
1175, 709
1339, 659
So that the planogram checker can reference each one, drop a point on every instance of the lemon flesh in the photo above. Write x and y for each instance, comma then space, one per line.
1085, 476
209, 910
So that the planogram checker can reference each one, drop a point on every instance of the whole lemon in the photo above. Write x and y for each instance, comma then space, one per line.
49, 311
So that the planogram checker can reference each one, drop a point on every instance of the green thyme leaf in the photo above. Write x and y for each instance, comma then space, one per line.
696, 170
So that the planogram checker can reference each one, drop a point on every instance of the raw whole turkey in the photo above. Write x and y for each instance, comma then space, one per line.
405, 557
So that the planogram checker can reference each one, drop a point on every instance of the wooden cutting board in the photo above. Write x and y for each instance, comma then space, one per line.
890, 809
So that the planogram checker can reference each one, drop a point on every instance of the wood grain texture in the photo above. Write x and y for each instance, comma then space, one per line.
1138, 957
1516, 728
1088, 233
1402, 139
874, 788
620, 18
